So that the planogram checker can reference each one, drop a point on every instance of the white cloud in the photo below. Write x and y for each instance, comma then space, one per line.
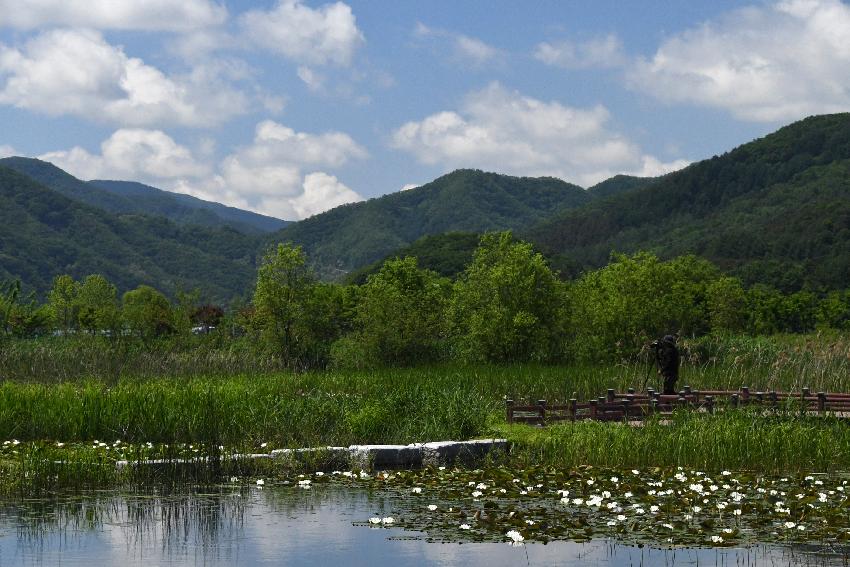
149, 156
504, 131
600, 52
77, 72
266, 176
465, 49
326, 35
7, 150
767, 63
313, 80
409, 186
149, 15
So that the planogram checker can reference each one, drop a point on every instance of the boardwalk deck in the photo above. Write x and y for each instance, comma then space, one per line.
634, 406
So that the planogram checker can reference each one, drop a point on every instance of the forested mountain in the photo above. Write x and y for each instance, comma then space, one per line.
447, 254
351, 236
618, 184
776, 210
137, 198
44, 234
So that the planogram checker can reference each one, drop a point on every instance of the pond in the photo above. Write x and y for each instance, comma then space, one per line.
396, 518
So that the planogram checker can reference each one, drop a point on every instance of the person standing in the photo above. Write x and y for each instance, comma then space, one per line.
667, 359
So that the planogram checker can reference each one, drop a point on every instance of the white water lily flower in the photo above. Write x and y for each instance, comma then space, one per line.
263, 445
697, 509
725, 473
565, 500
374, 520
668, 526
432, 507
388, 520
476, 493
737, 511
821, 497
716, 539
615, 479
713, 488
590, 482
320, 473
651, 492
260, 482
530, 522
627, 495
688, 517
464, 526
481, 486
809, 478
696, 488
441, 468
790, 525
578, 501
515, 536
818, 482
653, 509
611, 523
416, 490
621, 518
523, 492
722, 505
635, 471
801, 527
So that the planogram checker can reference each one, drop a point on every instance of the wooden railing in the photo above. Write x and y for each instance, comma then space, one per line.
633, 406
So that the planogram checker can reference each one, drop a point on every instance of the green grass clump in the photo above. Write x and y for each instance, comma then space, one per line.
735, 440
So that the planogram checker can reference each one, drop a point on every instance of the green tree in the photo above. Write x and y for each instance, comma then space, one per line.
727, 304
507, 305
284, 285
617, 309
147, 312
400, 314
62, 302
97, 303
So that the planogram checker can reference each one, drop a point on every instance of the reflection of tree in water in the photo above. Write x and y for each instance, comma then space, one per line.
200, 519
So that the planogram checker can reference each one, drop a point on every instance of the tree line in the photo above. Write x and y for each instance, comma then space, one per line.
508, 305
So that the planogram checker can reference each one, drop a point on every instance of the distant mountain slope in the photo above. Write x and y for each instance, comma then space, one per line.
448, 254
775, 210
44, 234
618, 184
188, 209
131, 197
352, 236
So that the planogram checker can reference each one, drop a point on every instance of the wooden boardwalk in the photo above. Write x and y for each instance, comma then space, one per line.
634, 406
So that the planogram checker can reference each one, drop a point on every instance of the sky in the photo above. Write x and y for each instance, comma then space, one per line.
290, 107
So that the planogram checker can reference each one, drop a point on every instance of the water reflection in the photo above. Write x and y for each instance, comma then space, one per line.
285, 525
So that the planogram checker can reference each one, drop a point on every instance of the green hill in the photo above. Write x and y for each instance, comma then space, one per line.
137, 198
618, 184
352, 236
447, 254
776, 210
44, 234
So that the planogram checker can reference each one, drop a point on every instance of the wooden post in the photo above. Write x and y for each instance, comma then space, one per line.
611, 394
709, 403
573, 409
509, 406
760, 397
650, 393
821, 402
631, 391
593, 404
687, 390
745, 394
627, 402
541, 404
806, 392
774, 398
734, 399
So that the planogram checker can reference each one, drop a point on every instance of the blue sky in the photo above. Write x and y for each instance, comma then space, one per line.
292, 107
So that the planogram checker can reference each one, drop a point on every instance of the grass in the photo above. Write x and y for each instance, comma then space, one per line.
172, 397
736, 440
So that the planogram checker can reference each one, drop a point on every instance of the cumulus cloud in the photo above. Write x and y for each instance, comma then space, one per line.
148, 15
767, 63
322, 36
600, 52
504, 131
281, 173
77, 72
7, 150
465, 49
140, 155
